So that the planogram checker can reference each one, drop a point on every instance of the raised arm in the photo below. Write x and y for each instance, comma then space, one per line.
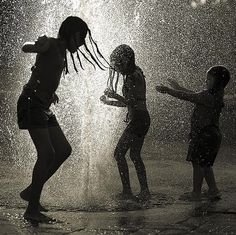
175, 85
39, 46
197, 98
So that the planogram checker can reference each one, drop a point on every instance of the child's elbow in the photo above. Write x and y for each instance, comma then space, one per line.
27, 48
24, 48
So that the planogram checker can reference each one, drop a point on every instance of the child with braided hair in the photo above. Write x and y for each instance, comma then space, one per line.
33, 106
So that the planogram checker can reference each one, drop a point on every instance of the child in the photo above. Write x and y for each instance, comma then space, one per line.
205, 135
33, 105
122, 60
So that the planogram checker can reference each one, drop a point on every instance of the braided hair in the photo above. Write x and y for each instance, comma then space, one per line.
69, 27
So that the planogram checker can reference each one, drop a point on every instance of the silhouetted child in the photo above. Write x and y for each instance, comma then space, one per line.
37, 96
122, 61
205, 135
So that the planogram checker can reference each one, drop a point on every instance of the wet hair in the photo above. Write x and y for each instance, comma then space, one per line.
221, 76
69, 27
122, 53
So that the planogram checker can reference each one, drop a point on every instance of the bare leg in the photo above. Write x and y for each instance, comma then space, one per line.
135, 155
62, 151
119, 154
45, 158
198, 176
210, 179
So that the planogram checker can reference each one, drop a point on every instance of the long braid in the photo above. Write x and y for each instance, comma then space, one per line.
87, 58
117, 80
72, 57
91, 42
109, 77
79, 60
98, 51
66, 65
94, 59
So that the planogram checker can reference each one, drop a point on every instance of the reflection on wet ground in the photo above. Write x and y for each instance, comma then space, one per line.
163, 214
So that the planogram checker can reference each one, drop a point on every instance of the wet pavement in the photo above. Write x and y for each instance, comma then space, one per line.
164, 214
178, 218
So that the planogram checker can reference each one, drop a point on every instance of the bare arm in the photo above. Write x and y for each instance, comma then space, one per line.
175, 85
40, 46
127, 102
197, 98
111, 102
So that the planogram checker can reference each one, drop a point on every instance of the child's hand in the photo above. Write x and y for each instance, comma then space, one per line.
103, 99
174, 84
162, 89
109, 93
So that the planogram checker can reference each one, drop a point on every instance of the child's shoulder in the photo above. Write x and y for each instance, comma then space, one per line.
43, 43
138, 73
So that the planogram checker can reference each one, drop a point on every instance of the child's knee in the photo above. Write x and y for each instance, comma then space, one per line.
118, 155
68, 150
46, 156
64, 152
133, 157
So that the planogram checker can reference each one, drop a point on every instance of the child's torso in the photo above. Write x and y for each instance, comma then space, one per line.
204, 115
135, 87
46, 72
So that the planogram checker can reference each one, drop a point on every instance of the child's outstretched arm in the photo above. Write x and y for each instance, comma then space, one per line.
176, 86
197, 98
40, 46
106, 101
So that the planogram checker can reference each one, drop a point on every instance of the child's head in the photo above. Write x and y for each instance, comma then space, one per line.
217, 78
122, 59
73, 31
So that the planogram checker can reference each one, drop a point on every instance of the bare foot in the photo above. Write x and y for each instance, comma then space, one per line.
214, 195
25, 196
190, 196
143, 196
125, 196
38, 217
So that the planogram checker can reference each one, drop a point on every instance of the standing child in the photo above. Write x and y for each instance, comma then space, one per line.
36, 98
122, 61
205, 135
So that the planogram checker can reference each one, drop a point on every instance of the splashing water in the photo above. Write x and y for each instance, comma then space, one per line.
87, 178
164, 39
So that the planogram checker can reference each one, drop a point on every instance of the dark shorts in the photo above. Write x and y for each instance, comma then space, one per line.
204, 146
139, 124
32, 113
